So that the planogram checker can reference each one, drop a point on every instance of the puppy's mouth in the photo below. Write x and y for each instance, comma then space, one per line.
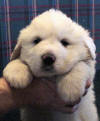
48, 68
51, 71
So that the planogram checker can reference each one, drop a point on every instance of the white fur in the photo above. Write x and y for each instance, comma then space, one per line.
21, 75
74, 64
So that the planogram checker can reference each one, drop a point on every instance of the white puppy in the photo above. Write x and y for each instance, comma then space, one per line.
55, 47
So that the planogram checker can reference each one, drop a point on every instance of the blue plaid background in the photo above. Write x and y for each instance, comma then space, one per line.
16, 14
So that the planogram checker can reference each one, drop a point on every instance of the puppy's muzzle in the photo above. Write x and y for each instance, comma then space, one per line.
48, 60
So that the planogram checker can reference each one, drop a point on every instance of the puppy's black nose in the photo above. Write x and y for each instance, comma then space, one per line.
48, 59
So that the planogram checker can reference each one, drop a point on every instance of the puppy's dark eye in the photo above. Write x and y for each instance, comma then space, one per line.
64, 42
37, 40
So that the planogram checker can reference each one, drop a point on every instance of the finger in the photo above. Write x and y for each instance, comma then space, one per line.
88, 84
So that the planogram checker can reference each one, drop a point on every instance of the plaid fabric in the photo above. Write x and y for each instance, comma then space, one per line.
14, 15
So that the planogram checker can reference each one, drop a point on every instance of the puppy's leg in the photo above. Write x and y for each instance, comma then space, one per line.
72, 86
17, 74
87, 109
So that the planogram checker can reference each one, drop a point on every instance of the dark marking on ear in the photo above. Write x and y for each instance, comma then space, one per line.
16, 52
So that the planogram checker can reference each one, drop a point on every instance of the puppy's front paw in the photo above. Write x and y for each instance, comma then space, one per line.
71, 90
17, 74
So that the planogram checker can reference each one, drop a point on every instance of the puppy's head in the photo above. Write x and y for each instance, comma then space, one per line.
52, 44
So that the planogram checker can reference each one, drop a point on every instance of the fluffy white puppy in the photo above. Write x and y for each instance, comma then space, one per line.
53, 46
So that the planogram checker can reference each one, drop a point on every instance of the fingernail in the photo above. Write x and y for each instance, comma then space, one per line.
88, 84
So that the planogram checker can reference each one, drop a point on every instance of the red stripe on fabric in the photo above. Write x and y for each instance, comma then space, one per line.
27, 18
80, 5
22, 12
6, 42
3, 7
64, 5
98, 54
96, 30
17, 19
97, 38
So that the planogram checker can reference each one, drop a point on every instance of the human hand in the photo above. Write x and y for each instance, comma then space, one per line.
43, 93
40, 93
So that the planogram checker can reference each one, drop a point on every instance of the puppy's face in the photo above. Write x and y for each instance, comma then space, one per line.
50, 46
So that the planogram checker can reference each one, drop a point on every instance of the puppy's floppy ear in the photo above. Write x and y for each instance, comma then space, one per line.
16, 52
89, 42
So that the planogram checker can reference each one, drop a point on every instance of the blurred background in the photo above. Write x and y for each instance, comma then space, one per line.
16, 14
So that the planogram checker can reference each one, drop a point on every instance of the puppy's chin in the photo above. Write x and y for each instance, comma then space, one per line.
42, 73
48, 73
